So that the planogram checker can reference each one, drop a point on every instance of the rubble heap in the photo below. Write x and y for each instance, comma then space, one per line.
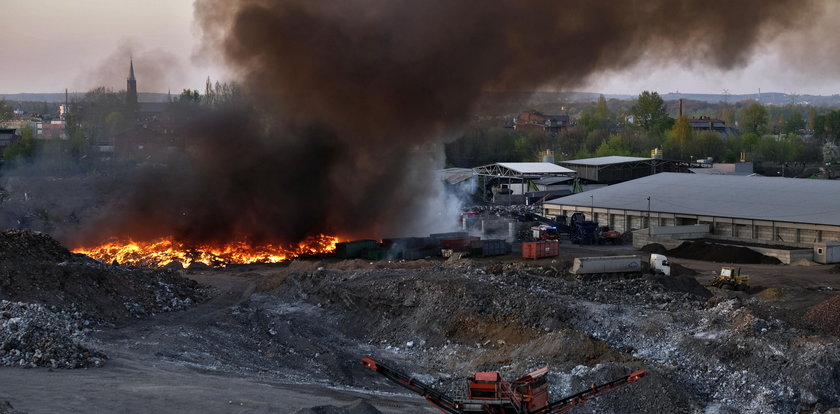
720, 253
51, 299
33, 336
825, 316
37, 269
443, 323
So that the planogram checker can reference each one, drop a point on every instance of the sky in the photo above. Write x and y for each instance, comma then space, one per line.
50, 45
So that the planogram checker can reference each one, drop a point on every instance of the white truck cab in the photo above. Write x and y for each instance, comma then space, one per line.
659, 264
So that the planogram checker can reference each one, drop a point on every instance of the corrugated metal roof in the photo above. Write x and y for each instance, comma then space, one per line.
456, 175
552, 180
535, 167
612, 159
796, 200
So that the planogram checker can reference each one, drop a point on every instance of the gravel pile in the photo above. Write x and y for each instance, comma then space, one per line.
825, 316
33, 336
6, 408
445, 322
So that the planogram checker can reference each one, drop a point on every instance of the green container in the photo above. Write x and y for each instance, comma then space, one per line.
376, 254
353, 249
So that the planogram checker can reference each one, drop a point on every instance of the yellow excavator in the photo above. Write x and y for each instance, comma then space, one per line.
730, 279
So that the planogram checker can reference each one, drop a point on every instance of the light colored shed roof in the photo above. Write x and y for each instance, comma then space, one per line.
612, 159
794, 200
535, 168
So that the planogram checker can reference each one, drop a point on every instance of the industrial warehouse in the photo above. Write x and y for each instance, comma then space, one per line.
785, 211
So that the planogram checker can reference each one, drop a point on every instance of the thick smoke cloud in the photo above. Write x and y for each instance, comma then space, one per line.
352, 96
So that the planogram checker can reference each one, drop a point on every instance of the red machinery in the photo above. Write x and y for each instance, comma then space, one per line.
488, 393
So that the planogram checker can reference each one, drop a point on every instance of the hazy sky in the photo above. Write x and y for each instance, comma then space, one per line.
49, 45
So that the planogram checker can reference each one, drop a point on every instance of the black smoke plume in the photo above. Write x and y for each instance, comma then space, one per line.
349, 94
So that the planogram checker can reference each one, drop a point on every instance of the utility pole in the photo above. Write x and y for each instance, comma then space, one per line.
648, 216
592, 212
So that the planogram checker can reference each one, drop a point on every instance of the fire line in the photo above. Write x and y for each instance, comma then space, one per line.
164, 251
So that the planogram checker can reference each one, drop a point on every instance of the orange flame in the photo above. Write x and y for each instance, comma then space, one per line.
163, 251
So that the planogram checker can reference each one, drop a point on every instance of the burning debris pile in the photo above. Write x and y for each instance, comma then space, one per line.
52, 298
163, 252
37, 269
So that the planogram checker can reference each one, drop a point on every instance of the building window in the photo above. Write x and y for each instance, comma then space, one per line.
819, 250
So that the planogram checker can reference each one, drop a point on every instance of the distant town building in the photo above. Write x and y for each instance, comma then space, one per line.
537, 121
51, 130
705, 123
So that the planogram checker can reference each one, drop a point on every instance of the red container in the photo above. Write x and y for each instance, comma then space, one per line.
538, 250
457, 244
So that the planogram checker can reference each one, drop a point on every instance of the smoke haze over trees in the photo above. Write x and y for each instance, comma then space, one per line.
349, 100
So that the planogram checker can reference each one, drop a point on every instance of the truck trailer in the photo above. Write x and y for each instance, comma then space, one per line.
618, 265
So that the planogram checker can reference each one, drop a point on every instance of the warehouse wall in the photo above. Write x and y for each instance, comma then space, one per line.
757, 231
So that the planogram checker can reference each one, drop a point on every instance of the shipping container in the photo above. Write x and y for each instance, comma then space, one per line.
540, 249
403, 243
606, 264
353, 249
450, 235
490, 247
415, 254
377, 253
458, 244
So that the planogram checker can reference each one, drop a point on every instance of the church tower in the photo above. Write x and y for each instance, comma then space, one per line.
131, 86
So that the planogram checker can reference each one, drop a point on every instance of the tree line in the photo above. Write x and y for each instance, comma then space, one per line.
771, 134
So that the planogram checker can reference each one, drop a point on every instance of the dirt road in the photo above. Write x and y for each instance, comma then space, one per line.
142, 377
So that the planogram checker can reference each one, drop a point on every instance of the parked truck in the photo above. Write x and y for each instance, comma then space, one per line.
619, 265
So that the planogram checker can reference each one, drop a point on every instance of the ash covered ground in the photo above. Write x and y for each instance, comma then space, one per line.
287, 338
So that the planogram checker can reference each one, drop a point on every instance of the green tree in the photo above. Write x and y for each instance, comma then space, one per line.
812, 115
794, 124
23, 150
679, 139
6, 111
189, 96
649, 111
615, 145
77, 144
753, 119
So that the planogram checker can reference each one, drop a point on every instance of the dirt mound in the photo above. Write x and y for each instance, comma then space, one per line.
680, 270
39, 270
6, 408
720, 253
24, 246
685, 284
358, 407
825, 316
654, 248
33, 336
770, 293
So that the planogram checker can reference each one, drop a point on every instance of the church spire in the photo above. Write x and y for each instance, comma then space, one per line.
131, 70
131, 85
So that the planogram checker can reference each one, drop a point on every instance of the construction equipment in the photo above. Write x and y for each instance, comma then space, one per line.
544, 232
659, 264
730, 279
578, 229
609, 236
488, 393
